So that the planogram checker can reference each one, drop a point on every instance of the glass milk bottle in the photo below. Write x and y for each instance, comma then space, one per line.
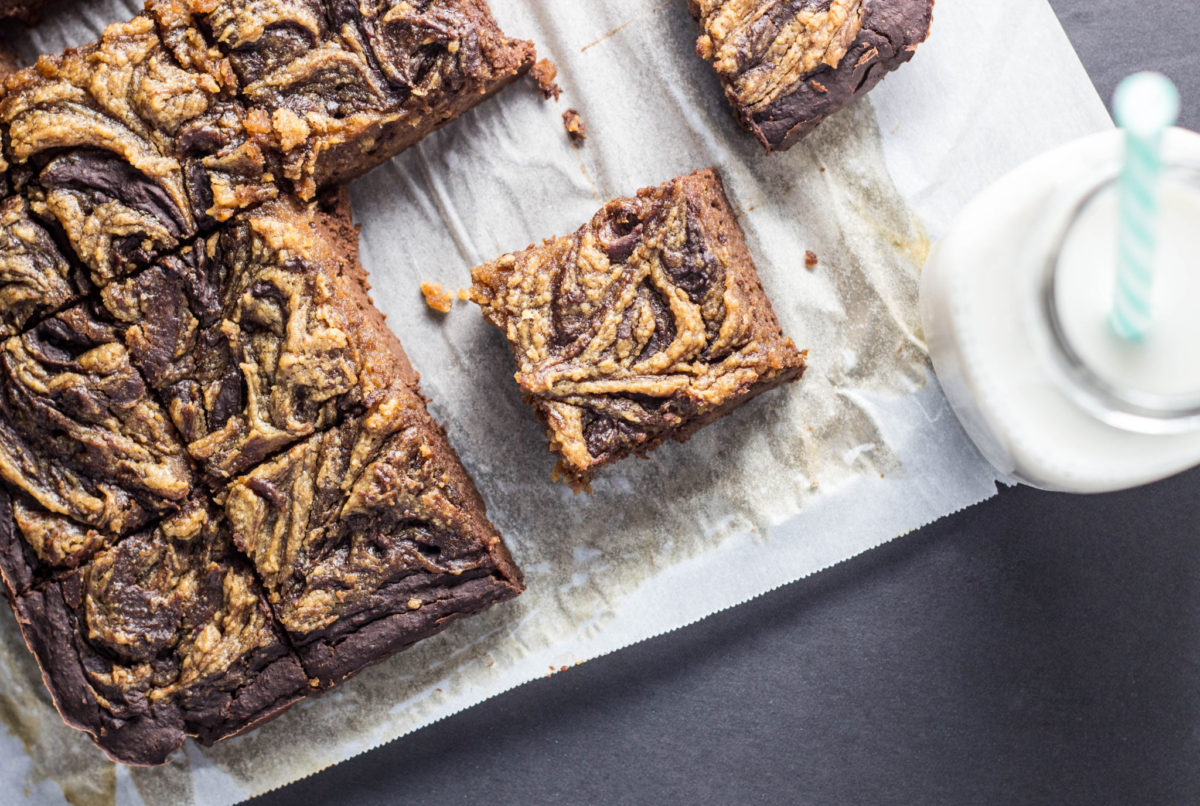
1015, 302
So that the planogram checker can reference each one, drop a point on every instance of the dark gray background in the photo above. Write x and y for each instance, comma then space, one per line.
1037, 648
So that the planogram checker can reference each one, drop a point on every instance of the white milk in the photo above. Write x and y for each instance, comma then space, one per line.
1167, 361
1070, 408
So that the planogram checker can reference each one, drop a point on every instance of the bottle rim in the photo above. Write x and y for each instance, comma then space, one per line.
1125, 408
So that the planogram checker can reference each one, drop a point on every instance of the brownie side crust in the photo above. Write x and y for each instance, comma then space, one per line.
645, 325
788, 66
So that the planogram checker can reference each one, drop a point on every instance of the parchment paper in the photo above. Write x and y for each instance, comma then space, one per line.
863, 450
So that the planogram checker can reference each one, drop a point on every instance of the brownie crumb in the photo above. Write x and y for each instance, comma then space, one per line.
810, 259
544, 73
436, 297
574, 125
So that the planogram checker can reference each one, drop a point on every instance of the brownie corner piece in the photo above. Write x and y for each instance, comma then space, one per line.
163, 636
370, 537
788, 66
647, 324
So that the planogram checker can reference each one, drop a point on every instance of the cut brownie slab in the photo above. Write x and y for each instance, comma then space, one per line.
129, 153
645, 325
165, 635
343, 86
370, 536
79, 432
254, 336
787, 66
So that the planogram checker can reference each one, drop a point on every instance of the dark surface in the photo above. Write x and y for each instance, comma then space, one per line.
1036, 648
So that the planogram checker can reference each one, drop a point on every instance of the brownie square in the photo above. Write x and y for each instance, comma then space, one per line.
126, 151
788, 66
79, 432
163, 636
370, 536
645, 325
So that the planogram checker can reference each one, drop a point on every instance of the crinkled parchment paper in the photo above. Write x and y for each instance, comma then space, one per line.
863, 450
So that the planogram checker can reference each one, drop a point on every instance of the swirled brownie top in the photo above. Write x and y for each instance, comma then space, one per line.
646, 324
789, 64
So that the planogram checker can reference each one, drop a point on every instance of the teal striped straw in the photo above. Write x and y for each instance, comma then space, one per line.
1146, 105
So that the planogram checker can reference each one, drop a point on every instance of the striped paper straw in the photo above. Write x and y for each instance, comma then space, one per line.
1146, 105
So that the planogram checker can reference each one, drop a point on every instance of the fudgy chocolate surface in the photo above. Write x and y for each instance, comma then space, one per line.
645, 325
369, 537
79, 432
787, 66
36, 277
125, 151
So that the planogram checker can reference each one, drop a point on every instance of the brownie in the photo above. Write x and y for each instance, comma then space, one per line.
127, 152
37, 545
787, 66
253, 338
79, 432
370, 537
343, 86
164, 636
354, 511
645, 325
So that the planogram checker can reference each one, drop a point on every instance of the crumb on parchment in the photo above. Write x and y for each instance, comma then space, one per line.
574, 126
543, 73
436, 297
810, 259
